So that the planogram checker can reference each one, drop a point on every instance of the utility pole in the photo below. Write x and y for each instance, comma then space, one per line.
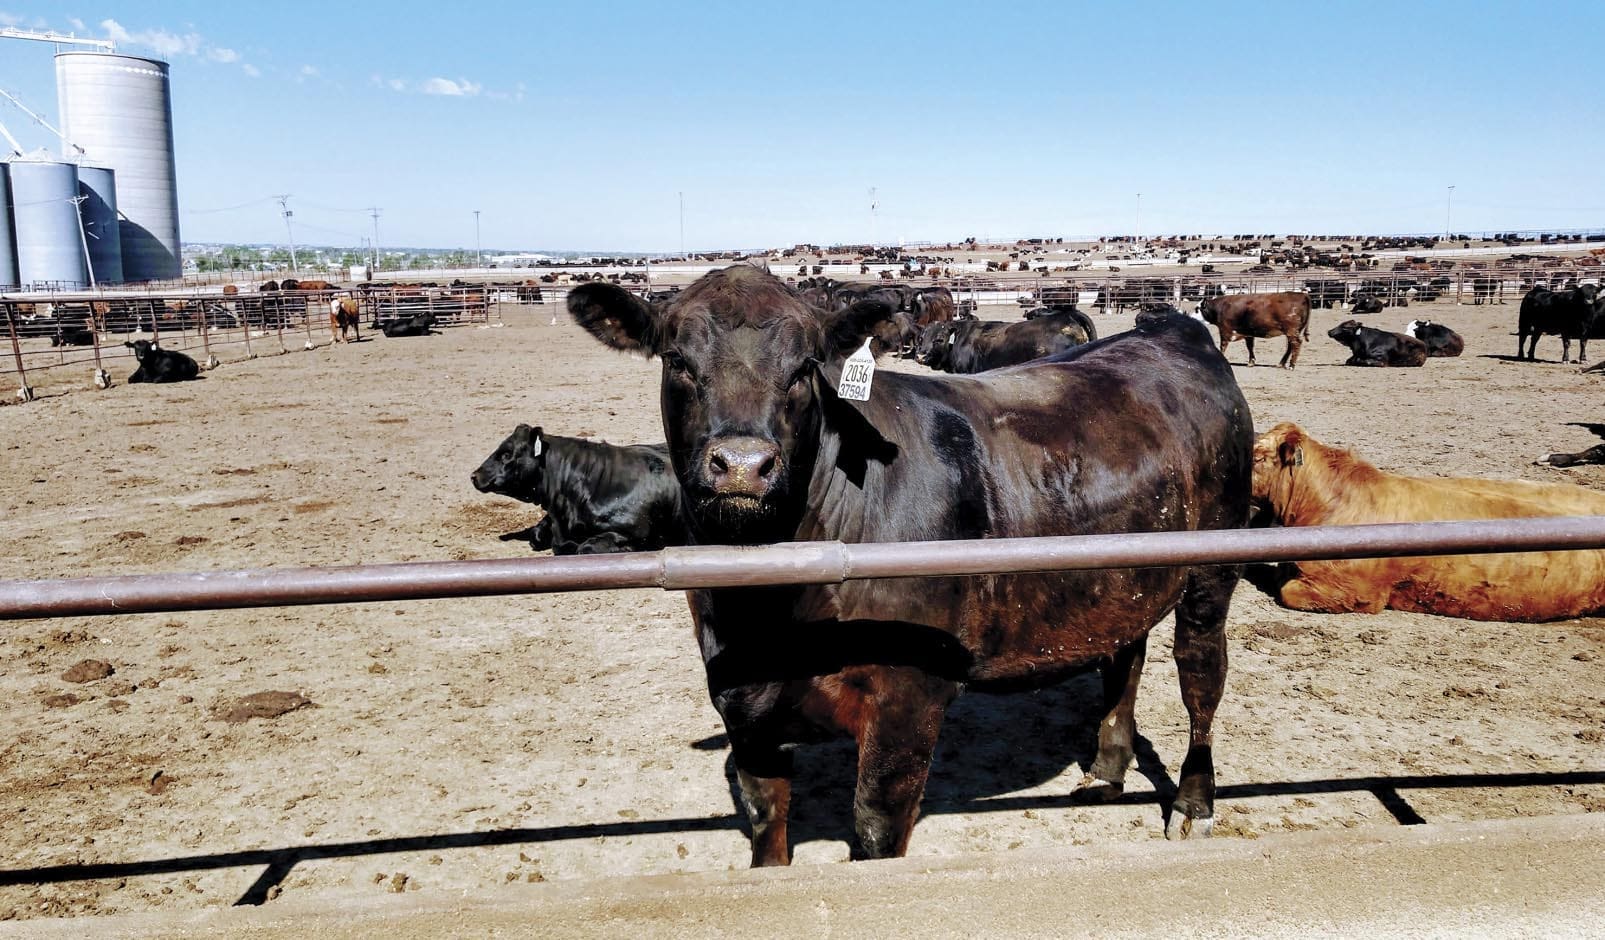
1139, 217
873, 205
374, 211
284, 207
478, 259
682, 223
1448, 206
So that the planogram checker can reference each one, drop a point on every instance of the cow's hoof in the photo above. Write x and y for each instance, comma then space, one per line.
1183, 826
1097, 790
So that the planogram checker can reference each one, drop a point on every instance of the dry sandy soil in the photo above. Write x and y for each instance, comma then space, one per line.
458, 746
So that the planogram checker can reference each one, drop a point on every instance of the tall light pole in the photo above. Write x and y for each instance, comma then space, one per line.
1139, 217
478, 260
1448, 205
374, 211
873, 205
284, 207
682, 223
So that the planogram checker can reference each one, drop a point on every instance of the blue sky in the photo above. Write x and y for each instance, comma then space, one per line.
575, 125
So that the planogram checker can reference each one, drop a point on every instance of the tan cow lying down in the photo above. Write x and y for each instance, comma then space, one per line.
1305, 482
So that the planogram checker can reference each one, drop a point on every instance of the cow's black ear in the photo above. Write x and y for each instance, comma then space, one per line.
616, 317
845, 330
537, 442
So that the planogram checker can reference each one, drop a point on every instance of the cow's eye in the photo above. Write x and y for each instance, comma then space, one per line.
677, 364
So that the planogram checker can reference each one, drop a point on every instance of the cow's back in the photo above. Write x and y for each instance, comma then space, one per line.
1145, 431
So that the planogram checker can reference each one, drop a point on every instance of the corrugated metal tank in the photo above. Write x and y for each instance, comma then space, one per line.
8, 244
119, 109
49, 250
98, 187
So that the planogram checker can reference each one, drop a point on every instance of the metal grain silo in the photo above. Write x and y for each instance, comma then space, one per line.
8, 244
98, 187
50, 250
119, 109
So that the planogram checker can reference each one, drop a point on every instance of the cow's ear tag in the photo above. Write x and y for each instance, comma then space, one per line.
858, 372
539, 446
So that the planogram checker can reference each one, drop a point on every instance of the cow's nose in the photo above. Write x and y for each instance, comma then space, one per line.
743, 466
480, 480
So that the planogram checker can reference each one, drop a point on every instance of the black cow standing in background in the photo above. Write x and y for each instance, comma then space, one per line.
160, 365
1568, 313
765, 450
598, 498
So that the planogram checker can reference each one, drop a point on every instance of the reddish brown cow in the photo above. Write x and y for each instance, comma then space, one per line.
1261, 315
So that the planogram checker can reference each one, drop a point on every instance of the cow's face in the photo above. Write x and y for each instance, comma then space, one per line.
141, 348
516, 467
933, 336
1345, 332
742, 393
1278, 457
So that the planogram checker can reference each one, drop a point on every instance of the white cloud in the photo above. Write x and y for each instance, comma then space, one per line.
219, 54
456, 89
76, 23
9, 19
397, 84
309, 70
252, 70
164, 42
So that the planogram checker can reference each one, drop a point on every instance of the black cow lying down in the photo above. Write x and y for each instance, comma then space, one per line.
416, 325
598, 498
160, 365
1439, 339
1593, 455
1368, 347
969, 346
765, 450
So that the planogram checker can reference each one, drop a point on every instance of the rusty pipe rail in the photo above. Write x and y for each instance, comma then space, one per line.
675, 569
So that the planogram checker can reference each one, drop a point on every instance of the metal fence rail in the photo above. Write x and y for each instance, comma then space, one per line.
674, 569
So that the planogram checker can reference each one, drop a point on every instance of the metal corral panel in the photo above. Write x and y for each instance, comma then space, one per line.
50, 252
8, 244
119, 109
98, 187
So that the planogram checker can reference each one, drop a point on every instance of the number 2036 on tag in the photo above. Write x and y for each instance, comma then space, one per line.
858, 372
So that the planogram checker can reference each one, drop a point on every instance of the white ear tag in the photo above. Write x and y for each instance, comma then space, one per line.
536, 452
857, 374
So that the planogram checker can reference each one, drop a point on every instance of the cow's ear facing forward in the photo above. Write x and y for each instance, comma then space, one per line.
846, 330
616, 317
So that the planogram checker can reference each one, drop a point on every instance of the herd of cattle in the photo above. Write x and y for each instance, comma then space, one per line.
1063, 434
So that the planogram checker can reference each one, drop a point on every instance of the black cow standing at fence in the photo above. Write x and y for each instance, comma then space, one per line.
598, 498
160, 365
1143, 431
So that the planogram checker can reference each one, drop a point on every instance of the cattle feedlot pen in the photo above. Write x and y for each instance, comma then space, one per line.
675, 569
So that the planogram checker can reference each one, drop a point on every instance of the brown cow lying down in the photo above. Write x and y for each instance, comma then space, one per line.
1305, 482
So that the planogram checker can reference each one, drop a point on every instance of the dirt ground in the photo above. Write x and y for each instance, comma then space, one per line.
459, 746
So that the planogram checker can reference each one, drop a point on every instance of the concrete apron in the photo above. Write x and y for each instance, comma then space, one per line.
1533, 877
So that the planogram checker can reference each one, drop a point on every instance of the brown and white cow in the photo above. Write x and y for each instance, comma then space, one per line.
345, 313
1304, 482
1260, 315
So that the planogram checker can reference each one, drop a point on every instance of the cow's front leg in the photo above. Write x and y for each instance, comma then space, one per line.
895, 744
763, 772
1249, 342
